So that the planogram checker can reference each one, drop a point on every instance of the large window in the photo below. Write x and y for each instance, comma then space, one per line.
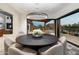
70, 25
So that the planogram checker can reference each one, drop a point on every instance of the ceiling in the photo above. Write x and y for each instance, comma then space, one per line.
49, 8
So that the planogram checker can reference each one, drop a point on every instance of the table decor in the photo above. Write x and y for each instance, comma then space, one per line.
37, 33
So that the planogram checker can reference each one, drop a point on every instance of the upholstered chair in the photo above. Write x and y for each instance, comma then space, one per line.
20, 50
7, 43
53, 50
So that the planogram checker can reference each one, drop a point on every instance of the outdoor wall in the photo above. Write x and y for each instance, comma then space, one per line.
16, 18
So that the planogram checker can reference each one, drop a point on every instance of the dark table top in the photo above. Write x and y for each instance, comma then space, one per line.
31, 41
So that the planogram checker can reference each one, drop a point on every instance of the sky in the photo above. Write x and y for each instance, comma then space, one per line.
70, 19
36, 23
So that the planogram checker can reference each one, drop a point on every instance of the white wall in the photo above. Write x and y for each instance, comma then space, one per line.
23, 23
16, 18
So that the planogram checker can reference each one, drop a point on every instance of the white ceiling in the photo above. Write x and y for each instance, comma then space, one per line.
49, 8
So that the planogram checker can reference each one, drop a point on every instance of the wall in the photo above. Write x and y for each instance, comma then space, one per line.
16, 18
23, 24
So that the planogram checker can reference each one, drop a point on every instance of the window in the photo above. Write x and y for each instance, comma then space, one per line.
38, 23
70, 25
45, 25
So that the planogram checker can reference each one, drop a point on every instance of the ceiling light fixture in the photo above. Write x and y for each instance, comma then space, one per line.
37, 15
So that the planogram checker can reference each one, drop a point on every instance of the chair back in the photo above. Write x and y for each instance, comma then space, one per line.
7, 43
13, 50
54, 50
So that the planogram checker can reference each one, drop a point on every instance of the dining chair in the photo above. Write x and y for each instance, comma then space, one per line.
53, 50
63, 41
13, 50
7, 43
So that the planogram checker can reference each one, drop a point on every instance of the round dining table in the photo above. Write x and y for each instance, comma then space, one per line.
37, 42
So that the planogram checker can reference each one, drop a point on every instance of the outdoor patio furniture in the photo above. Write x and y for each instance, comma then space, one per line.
52, 33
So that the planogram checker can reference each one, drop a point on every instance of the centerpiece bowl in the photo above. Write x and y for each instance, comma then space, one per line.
37, 33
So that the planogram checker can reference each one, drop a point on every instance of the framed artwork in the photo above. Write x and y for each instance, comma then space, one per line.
7, 22
9, 26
